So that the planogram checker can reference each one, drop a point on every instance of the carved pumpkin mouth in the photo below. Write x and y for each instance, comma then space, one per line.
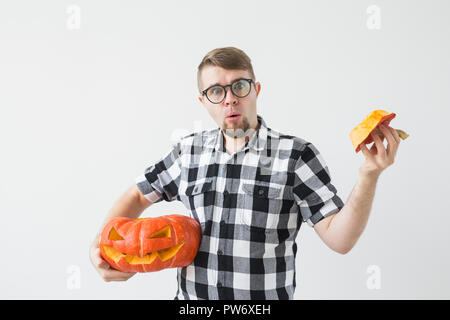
149, 257
163, 255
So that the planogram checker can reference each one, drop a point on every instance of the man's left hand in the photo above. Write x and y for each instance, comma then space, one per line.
380, 157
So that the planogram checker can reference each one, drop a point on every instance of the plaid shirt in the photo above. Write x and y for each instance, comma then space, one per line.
250, 206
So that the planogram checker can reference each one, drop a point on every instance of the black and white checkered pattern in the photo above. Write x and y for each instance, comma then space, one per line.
250, 206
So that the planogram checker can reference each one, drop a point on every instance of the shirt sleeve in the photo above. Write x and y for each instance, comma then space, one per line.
313, 191
161, 180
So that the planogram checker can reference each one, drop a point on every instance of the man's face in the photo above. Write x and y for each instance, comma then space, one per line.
245, 107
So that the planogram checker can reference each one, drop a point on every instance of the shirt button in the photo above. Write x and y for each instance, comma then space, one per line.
219, 284
225, 193
261, 192
222, 223
219, 252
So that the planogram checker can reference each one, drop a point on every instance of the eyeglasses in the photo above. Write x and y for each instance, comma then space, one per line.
217, 93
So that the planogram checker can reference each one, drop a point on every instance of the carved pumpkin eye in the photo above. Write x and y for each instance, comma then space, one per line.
114, 235
163, 233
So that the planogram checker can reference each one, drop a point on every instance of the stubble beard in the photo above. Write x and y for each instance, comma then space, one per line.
237, 131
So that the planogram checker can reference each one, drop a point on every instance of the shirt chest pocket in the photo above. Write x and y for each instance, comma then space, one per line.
199, 199
198, 188
261, 206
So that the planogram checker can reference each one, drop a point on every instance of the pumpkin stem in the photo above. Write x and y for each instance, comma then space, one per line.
402, 134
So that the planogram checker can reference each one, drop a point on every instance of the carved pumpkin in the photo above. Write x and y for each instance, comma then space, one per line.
150, 244
361, 133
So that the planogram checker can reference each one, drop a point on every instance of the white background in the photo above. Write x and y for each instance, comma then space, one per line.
86, 107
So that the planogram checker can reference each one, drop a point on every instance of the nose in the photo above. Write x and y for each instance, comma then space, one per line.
230, 99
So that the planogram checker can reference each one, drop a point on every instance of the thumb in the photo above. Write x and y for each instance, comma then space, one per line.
101, 263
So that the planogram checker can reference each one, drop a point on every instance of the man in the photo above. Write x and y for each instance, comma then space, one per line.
250, 188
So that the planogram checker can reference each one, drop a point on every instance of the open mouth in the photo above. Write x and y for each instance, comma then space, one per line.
234, 117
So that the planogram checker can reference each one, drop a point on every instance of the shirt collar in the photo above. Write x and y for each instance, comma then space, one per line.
257, 140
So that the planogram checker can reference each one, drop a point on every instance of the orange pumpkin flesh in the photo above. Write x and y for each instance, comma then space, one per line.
361, 133
150, 244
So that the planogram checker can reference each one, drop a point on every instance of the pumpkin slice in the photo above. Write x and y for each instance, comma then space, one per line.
361, 133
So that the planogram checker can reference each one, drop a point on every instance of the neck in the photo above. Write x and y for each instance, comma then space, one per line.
233, 144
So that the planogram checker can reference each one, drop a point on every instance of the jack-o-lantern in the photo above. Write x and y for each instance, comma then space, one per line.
361, 133
150, 244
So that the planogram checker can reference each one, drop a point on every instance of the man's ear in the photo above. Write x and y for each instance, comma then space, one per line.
258, 88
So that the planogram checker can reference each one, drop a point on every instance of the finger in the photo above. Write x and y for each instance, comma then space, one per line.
99, 261
378, 143
391, 143
102, 264
386, 132
396, 142
396, 137
366, 151
395, 134
115, 275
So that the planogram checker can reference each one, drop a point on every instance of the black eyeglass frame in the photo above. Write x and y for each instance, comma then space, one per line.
231, 89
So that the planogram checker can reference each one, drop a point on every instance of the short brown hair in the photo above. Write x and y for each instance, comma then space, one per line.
229, 58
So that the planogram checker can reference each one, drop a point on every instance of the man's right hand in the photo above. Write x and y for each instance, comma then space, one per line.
104, 269
131, 204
